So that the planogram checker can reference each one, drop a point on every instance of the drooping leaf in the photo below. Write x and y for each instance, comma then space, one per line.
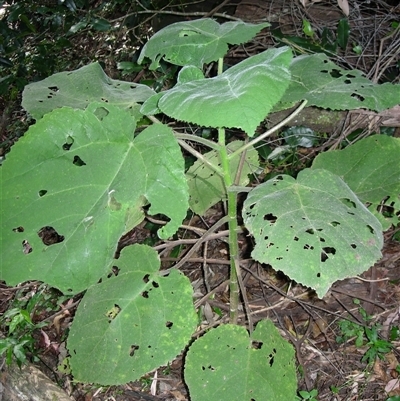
324, 84
206, 187
190, 73
197, 42
314, 229
79, 88
74, 184
227, 364
370, 168
132, 323
241, 97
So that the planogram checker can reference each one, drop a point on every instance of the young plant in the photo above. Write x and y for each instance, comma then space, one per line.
83, 176
365, 335
18, 326
307, 395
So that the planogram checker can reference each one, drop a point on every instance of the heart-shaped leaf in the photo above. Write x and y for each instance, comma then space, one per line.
197, 42
74, 184
228, 364
131, 323
241, 97
314, 229
79, 88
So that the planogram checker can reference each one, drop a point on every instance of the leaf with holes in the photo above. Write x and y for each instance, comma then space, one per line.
74, 184
314, 229
196, 42
131, 323
324, 84
228, 364
206, 187
79, 88
370, 168
233, 99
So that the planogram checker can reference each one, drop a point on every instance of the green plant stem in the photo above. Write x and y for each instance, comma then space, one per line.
220, 66
199, 156
232, 227
193, 138
269, 132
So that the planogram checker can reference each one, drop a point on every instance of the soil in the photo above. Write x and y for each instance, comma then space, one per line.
332, 367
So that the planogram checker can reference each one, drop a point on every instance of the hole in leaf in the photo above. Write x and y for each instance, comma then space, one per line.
326, 252
256, 344
270, 217
42, 192
322, 239
69, 142
308, 247
114, 272
348, 202
318, 275
145, 294
19, 229
335, 223
335, 73
296, 238
113, 313
371, 230
146, 278
50, 236
155, 284
357, 96
354, 246
277, 179
169, 325
310, 231
78, 161
133, 349
26, 247
271, 357
386, 210
54, 88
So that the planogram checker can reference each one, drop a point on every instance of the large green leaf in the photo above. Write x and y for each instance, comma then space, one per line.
324, 84
241, 97
79, 88
85, 176
371, 168
206, 187
226, 364
197, 42
314, 229
131, 324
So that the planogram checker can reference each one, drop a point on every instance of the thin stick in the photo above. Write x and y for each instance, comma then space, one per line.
269, 132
